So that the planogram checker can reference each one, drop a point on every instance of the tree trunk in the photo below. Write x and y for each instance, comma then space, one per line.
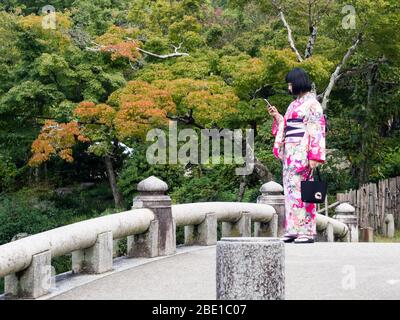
242, 188
113, 182
36, 174
46, 178
262, 171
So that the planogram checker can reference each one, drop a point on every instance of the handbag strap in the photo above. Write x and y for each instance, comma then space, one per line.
319, 175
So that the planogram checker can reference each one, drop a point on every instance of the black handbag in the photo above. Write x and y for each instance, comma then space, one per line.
313, 191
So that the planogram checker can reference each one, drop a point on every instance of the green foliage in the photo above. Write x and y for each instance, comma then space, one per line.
380, 238
137, 168
197, 66
35, 210
19, 215
96, 16
214, 35
213, 182
8, 172
62, 264
33, 6
389, 165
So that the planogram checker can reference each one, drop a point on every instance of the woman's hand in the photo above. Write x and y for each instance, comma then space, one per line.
274, 112
313, 164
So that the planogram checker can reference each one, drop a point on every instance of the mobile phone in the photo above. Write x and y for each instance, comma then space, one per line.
267, 102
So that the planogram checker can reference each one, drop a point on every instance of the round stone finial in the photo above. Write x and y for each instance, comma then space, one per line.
345, 208
152, 184
271, 187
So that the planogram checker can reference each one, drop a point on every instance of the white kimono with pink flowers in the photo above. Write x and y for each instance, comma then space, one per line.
299, 137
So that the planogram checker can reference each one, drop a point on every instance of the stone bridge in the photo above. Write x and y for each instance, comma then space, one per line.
337, 266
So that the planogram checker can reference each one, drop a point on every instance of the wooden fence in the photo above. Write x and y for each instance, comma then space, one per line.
373, 201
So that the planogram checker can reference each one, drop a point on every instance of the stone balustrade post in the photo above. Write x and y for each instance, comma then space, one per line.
146, 244
250, 269
239, 228
388, 226
326, 235
344, 213
34, 281
272, 194
204, 234
268, 229
96, 259
160, 238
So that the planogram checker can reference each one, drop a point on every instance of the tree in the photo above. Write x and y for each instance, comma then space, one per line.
140, 106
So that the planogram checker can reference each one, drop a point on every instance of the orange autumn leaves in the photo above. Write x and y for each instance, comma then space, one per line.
131, 112
210, 102
126, 49
88, 112
55, 139
141, 106
118, 42
59, 138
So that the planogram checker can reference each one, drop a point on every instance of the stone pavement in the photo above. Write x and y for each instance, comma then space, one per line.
319, 270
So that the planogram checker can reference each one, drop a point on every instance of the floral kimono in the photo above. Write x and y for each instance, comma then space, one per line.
299, 137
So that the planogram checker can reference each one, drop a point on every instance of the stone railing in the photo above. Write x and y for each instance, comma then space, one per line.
150, 231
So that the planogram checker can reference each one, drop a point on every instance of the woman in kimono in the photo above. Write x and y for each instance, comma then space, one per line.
300, 145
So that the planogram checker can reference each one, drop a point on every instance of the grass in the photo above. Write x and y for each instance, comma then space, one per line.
396, 238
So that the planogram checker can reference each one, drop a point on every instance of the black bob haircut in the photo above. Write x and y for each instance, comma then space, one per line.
299, 80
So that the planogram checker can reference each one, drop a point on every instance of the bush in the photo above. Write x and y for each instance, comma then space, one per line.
390, 166
216, 183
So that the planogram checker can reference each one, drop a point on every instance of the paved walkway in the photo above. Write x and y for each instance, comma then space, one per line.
313, 271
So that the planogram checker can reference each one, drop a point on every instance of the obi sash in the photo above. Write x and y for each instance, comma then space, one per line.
294, 130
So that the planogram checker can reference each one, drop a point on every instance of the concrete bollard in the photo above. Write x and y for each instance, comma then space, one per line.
152, 195
345, 213
389, 226
204, 234
239, 228
272, 194
250, 269
96, 259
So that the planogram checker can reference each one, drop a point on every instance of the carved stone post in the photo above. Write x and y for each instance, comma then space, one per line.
267, 229
96, 259
326, 235
239, 228
152, 196
272, 194
345, 214
34, 281
204, 234
388, 227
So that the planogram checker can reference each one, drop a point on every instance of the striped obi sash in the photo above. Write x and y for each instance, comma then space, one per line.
294, 130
